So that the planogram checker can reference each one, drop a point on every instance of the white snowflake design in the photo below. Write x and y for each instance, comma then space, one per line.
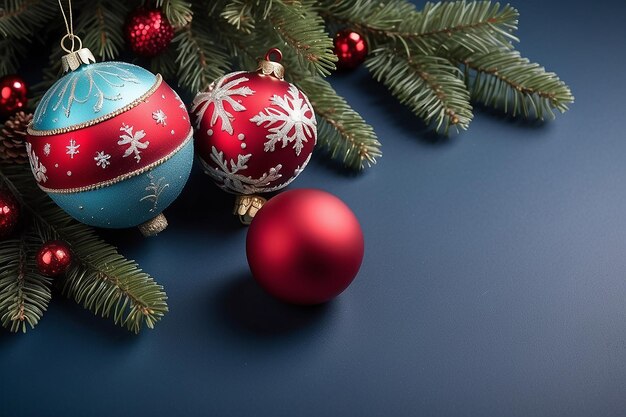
297, 172
98, 77
287, 121
218, 95
159, 117
46, 149
72, 149
133, 140
155, 189
39, 170
230, 180
102, 159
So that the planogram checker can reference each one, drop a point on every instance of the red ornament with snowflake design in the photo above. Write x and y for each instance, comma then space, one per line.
255, 132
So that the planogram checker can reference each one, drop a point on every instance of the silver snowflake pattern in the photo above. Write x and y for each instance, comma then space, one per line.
159, 117
133, 140
46, 149
229, 179
287, 122
72, 148
218, 95
297, 172
155, 189
102, 159
98, 78
38, 169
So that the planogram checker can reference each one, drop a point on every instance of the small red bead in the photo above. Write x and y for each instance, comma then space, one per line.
54, 258
9, 213
148, 32
350, 48
13, 92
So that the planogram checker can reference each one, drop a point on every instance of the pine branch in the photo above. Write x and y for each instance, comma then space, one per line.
11, 50
178, 12
100, 25
474, 25
100, 278
24, 293
20, 19
503, 79
200, 61
302, 30
240, 14
429, 85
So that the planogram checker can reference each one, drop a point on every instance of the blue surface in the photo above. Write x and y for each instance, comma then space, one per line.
133, 198
494, 280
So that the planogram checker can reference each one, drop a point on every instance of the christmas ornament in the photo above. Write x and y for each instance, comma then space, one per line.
54, 258
13, 138
148, 32
350, 48
12, 94
305, 246
111, 143
9, 213
254, 132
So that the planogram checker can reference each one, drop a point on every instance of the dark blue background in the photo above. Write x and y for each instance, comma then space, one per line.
494, 281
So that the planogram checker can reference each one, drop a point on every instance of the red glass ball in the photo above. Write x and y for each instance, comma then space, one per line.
350, 48
13, 92
148, 32
9, 213
305, 246
54, 258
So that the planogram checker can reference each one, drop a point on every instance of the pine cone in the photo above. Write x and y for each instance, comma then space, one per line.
13, 138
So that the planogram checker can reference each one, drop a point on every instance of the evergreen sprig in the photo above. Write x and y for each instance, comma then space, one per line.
429, 85
435, 59
24, 292
504, 80
99, 278
102, 22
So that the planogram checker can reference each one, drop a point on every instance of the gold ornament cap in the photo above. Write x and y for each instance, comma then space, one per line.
154, 226
75, 58
247, 206
273, 68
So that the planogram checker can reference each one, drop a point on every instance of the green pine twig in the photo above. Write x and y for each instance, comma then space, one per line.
505, 80
99, 278
429, 85
24, 292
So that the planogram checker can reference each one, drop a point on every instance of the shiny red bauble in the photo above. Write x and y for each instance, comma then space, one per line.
148, 32
54, 258
255, 132
305, 246
350, 48
13, 92
9, 213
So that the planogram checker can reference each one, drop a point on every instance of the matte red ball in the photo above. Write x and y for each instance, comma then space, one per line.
148, 32
350, 48
54, 258
305, 246
9, 213
13, 92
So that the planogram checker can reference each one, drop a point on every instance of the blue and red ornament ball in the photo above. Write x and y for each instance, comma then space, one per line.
111, 144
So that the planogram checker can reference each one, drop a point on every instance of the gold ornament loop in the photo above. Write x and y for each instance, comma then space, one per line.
274, 51
71, 37
273, 68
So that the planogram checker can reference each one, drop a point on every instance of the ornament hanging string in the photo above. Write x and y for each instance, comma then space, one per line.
69, 27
